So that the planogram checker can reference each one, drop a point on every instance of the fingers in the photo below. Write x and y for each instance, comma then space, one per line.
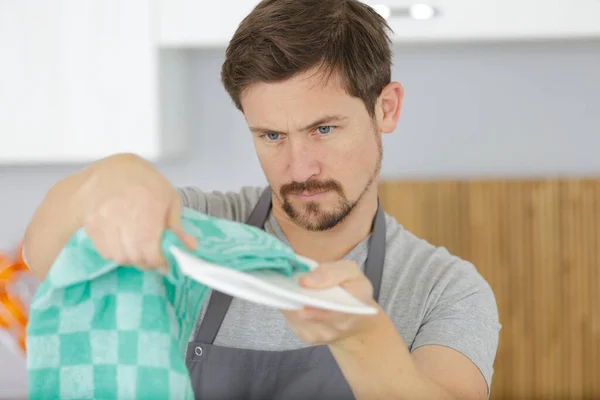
187, 240
314, 314
174, 224
128, 208
359, 288
331, 274
106, 244
143, 248
129, 231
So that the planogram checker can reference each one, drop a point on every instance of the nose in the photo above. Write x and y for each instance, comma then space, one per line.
303, 161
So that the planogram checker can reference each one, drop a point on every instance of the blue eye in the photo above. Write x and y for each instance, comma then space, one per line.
272, 136
324, 129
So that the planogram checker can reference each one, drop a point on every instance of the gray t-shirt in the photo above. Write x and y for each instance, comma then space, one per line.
431, 296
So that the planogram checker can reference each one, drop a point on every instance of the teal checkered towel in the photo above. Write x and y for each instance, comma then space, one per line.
98, 330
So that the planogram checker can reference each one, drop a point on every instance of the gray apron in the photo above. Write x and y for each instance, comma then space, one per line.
308, 373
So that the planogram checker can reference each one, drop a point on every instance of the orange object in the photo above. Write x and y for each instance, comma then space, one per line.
13, 303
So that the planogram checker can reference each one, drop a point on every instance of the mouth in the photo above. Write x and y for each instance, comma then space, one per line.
310, 195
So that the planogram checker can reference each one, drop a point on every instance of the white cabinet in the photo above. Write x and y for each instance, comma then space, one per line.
212, 23
80, 80
200, 23
83, 79
476, 20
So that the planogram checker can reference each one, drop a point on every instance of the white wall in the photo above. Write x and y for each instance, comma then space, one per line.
506, 109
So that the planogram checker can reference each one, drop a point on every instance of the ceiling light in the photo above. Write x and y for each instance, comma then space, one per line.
383, 10
417, 11
421, 11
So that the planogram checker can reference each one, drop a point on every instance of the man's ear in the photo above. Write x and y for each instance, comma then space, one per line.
390, 104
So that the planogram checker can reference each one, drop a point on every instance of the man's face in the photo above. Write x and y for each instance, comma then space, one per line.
318, 147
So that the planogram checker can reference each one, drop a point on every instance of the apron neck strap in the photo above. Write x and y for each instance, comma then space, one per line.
261, 211
219, 302
376, 252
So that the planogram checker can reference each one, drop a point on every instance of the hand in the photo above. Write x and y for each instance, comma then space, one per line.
317, 326
128, 205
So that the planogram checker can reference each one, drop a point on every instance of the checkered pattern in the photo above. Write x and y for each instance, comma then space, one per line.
116, 337
102, 331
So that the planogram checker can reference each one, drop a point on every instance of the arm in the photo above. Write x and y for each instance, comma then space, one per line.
453, 351
123, 203
379, 365
54, 222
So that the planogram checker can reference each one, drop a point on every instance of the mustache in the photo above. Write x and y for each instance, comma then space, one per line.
310, 187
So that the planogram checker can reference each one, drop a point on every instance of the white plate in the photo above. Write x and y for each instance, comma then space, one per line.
269, 288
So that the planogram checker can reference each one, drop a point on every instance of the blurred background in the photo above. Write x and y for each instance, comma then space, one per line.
495, 156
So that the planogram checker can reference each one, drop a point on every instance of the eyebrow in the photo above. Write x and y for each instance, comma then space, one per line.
321, 121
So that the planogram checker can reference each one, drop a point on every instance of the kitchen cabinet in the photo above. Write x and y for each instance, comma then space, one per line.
80, 80
198, 23
496, 20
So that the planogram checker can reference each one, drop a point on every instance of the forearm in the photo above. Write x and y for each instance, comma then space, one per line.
53, 223
62, 211
379, 366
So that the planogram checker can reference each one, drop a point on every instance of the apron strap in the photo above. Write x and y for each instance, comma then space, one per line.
259, 215
219, 302
376, 252
213, 318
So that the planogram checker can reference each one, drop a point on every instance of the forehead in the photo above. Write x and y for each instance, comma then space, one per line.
301, 98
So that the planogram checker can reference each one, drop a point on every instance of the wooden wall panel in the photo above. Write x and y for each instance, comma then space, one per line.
538, 244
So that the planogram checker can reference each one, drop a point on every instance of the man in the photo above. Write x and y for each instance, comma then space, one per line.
312, 79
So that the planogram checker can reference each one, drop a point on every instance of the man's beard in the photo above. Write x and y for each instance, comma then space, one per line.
324, 220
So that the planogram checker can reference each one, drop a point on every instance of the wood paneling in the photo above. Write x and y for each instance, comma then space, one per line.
538, 245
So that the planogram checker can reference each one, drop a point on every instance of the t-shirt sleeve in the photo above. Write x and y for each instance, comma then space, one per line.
464, 317
235, 206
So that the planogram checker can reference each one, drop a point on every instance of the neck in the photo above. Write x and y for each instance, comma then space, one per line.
334, 244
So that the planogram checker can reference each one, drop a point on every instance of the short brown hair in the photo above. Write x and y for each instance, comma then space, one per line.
281, 38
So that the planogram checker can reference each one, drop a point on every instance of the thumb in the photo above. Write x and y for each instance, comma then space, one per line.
174, 224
